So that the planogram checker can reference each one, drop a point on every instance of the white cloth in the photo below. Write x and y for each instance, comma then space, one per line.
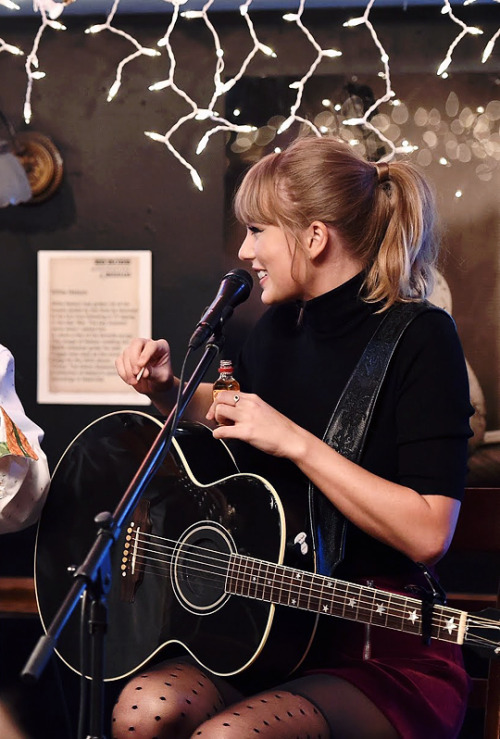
24, 482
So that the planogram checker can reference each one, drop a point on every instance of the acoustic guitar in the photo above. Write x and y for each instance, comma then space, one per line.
206, 562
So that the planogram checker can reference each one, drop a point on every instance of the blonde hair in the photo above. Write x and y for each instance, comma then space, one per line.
384, 214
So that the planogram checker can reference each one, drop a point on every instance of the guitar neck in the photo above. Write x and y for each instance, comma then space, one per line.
282, 585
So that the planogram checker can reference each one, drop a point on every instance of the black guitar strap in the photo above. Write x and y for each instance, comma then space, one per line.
346, 431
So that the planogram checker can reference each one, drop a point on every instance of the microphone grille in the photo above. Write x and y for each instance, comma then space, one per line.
242, 276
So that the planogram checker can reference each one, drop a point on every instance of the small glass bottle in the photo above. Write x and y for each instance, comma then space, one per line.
226, 380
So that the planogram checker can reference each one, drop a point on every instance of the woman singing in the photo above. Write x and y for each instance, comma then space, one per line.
336, 244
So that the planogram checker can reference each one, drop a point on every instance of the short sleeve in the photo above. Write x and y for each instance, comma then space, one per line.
433, 408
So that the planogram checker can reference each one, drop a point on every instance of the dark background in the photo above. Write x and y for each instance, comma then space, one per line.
122, 191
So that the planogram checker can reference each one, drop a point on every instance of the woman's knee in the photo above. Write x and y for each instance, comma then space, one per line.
169, 701
278, 714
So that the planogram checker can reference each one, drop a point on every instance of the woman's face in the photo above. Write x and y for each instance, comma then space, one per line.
279, 267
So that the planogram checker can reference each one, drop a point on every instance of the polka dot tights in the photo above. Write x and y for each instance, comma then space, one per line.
178, 700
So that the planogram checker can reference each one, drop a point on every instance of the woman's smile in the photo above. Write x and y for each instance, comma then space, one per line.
268, 249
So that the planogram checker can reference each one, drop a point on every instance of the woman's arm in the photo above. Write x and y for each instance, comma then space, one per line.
420, 526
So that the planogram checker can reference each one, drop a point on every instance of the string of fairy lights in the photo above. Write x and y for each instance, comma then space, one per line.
179, 12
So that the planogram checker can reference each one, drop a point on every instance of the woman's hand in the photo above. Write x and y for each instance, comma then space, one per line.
146, 365
247, 417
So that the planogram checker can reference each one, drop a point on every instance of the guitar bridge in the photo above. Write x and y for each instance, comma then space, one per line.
132, 564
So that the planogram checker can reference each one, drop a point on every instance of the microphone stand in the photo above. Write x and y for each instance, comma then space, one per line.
94, 574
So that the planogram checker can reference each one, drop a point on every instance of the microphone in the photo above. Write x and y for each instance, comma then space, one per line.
234, 289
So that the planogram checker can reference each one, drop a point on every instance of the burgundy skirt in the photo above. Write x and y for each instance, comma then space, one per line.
422, 689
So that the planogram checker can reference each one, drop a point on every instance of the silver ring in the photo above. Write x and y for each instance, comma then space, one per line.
236, 398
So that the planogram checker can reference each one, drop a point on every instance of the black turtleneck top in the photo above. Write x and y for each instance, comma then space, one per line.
298, 359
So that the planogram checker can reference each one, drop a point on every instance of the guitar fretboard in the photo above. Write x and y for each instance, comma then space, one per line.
282, 585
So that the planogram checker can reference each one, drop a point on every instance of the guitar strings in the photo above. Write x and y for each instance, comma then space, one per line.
437, 621
289, 572
221, 560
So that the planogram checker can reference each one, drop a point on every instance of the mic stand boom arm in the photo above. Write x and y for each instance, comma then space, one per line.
94, 573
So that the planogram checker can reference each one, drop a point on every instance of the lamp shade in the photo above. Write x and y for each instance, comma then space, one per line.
14, 184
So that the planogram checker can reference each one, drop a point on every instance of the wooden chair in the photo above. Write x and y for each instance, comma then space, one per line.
472, 568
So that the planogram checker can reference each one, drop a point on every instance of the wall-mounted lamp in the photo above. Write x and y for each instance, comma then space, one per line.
31, 167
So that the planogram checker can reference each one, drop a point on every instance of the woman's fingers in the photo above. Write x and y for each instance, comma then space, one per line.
142, 359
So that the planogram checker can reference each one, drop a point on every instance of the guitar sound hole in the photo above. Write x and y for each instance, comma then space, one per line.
200, 566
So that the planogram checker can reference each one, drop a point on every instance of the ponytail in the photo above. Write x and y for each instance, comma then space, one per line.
402, 267
383, 212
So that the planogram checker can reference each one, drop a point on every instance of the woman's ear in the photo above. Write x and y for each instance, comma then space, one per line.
317, 237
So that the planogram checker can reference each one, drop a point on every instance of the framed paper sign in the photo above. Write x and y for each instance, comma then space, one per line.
90, 305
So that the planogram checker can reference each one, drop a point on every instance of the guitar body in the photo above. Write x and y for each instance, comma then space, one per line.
162, 597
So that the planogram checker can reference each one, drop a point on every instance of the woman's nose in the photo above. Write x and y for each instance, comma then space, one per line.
245, 250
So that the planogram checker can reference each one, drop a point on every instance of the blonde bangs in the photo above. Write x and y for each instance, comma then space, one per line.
256, 200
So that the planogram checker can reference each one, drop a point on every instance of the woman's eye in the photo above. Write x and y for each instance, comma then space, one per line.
254, 229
